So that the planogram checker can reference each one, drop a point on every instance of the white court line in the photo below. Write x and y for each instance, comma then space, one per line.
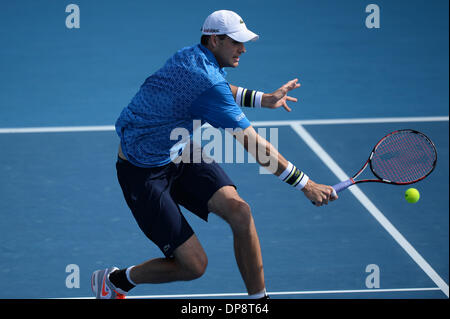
273, 293
57, 129
354, 121
100, 128
283, 293
365, 201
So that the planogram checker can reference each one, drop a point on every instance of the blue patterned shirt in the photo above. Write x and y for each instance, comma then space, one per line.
190, 86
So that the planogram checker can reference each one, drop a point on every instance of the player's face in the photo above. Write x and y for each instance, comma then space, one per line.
228, 51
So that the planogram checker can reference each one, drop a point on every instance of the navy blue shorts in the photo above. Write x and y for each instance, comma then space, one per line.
154, 195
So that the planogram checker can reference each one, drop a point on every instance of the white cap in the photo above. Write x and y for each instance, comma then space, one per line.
229, 23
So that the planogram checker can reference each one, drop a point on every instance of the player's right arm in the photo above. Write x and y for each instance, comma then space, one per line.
268, 156
217, 107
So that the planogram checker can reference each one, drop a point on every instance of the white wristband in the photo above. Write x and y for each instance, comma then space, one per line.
258, 99
293, 176
239, 96
302, 182
286, 172
248, 98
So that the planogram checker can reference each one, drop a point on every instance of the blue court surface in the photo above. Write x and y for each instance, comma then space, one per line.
62, 89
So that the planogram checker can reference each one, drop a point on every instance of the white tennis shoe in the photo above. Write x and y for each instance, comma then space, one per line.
102, 287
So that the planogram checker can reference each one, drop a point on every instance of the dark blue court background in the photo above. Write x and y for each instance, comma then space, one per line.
60, 202
52, 75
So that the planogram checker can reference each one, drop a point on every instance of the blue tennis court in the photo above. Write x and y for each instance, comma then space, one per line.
62, 90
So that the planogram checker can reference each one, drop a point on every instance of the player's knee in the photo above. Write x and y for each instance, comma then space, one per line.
240, 215
197, 268
190, 259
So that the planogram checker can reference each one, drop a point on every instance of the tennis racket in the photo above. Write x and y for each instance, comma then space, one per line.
402, 157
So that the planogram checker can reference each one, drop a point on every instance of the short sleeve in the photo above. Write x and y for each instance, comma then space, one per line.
217, 107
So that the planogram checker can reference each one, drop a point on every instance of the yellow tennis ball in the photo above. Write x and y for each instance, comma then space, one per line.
412, 195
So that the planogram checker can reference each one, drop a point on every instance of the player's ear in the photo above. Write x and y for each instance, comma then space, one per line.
213, 41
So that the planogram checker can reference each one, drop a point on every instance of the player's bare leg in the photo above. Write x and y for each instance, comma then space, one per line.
189, 263
227, 204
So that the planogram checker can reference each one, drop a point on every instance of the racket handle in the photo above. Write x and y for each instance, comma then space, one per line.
340, 187
343, 185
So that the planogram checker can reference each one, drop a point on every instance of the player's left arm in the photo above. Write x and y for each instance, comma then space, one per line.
274, 100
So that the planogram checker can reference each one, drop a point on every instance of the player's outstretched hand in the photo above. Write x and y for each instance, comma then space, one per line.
279, 97
319, 194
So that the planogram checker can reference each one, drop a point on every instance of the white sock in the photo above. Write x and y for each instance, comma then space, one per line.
258, 295
127, 272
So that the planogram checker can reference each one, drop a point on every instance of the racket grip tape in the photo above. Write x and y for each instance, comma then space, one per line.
343, 185
340, 187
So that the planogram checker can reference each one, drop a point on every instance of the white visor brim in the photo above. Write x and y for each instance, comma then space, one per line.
243, 36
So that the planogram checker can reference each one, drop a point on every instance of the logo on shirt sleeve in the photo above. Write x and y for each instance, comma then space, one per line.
240, 116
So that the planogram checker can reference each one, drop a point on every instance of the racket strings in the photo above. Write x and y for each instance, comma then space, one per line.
403, 157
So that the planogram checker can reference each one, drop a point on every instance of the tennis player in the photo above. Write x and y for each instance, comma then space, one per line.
191, 85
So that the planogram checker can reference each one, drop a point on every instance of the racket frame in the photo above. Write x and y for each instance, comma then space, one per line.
352, 181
